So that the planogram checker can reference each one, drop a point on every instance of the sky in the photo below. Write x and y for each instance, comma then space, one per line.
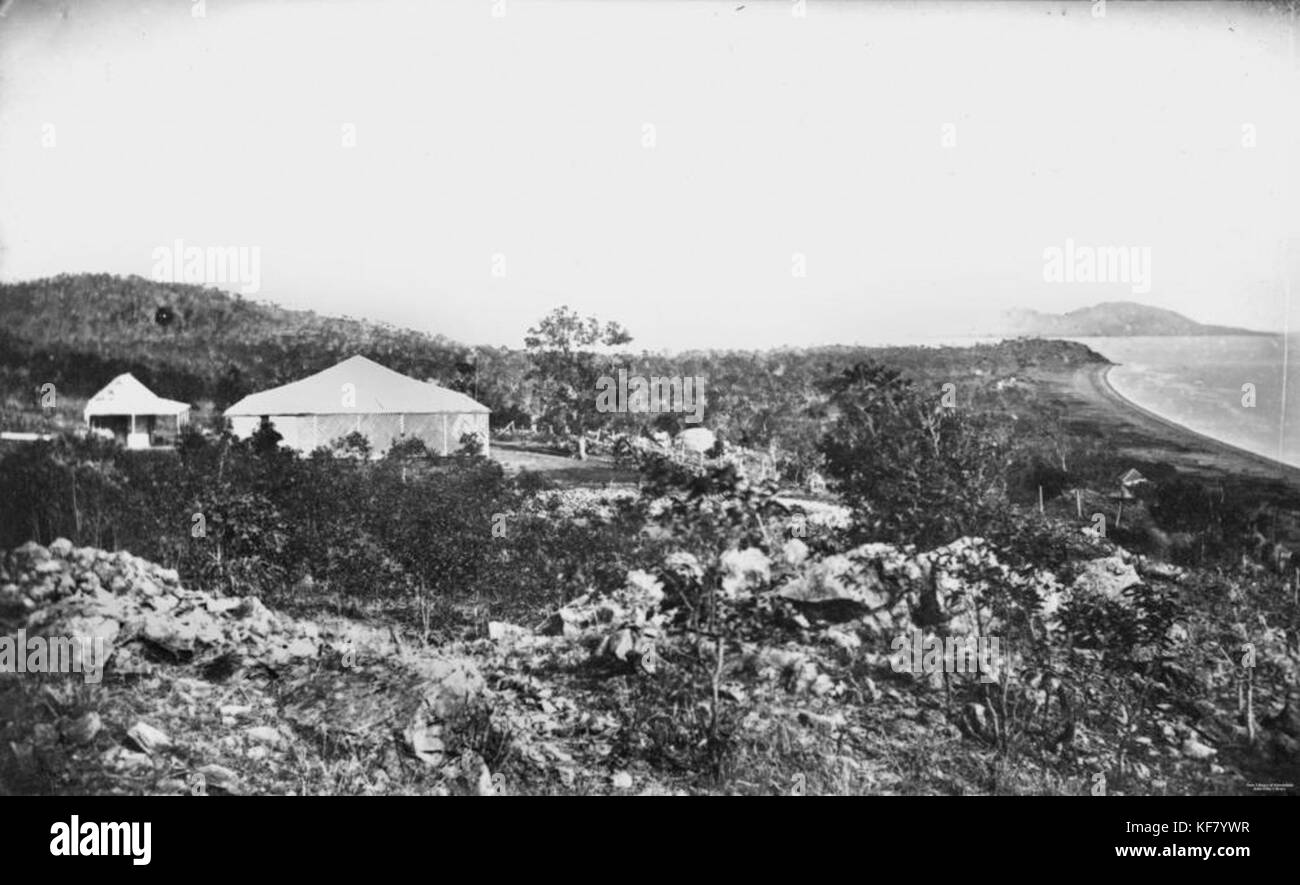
730, 175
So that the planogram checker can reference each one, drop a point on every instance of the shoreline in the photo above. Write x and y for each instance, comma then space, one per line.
1190, 448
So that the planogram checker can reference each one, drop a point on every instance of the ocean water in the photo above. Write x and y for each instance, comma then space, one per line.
1199, 383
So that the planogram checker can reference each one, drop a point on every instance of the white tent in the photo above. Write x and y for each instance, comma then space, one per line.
360, 396
131, 412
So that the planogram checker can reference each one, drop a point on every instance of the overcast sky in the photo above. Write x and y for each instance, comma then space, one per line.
668, 165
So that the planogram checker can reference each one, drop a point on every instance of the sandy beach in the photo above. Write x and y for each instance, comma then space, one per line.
1186, 447
1095, 406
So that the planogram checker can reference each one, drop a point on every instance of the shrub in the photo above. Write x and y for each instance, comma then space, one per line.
911, 470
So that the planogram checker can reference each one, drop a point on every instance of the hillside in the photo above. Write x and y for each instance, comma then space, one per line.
1109, 319
187, 342
205, 346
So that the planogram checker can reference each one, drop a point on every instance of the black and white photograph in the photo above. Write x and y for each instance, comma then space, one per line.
523, 398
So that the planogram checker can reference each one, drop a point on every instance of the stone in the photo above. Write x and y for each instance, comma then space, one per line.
167, 576
91, 626
836, 589
61, 547
822, 685
744, 571
257, 618
621, 780
684, 566
478, 776
425, 741
1107, 577
83, 729
827, 723
565, 622
44, 734
845, 639
127, 760
148, 738
451, 684
1194, 749
697, 439
1162, 570
265, 734
219, 778
171, 633
302, 647
164, 603
501, 631
794, 552
30, 553
40, 591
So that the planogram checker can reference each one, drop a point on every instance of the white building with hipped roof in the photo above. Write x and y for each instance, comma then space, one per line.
360, 396
135, 415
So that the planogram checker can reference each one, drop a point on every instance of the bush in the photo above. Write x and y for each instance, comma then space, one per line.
911, 470
355, 445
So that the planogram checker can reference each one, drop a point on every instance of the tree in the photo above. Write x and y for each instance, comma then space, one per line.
912, 470
266, 439
566, 368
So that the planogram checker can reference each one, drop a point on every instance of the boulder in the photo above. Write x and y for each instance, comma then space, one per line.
744, 571
1107, 577
836, 589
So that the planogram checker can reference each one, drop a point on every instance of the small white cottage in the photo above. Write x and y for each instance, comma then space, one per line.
135, 415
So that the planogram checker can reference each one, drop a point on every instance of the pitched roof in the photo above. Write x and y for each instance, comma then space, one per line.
375, 389
1131, 476
124, 395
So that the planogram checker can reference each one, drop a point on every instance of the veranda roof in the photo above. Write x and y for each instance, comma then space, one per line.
125, 395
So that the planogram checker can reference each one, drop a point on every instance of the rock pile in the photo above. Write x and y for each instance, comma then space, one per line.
140, 610
336, 686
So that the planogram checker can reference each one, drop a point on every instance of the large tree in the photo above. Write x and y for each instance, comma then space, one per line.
566, 367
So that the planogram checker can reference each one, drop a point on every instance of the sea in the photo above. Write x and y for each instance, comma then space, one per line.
1240, 389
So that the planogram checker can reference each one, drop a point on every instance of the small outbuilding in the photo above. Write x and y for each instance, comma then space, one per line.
1129, 482
360, 396
135, 415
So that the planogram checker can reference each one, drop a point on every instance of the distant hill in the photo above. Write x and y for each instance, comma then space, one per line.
1111, 319
190, 342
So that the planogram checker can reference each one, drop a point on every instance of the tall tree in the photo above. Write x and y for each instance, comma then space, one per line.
566, 368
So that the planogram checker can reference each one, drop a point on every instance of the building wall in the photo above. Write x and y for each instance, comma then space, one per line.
440, 432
